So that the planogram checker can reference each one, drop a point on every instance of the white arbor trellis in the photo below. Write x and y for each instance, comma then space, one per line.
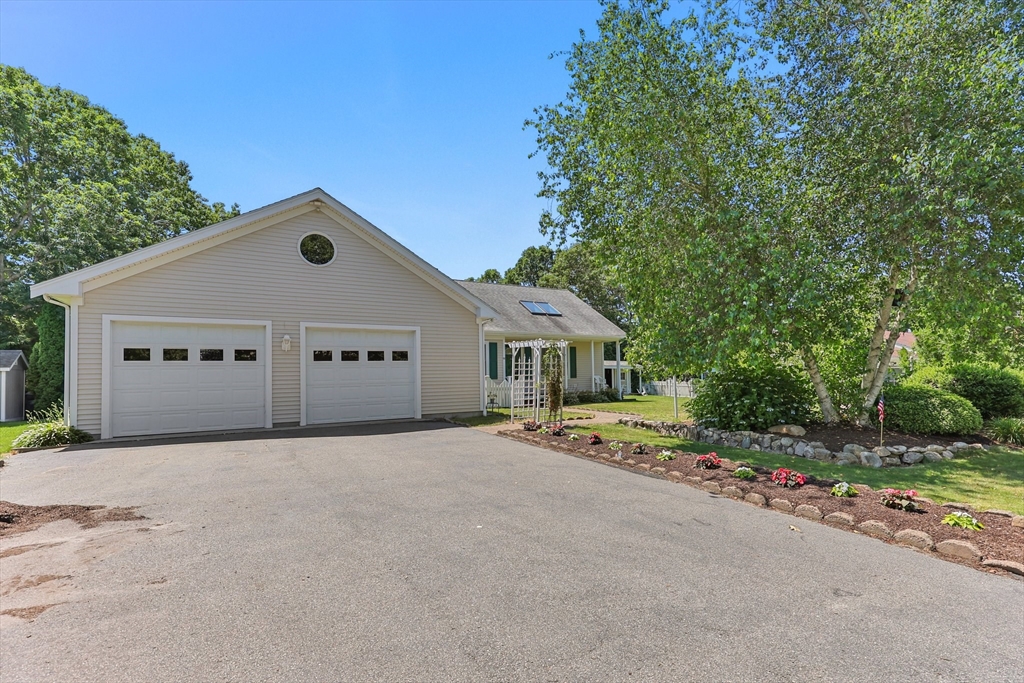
529, 383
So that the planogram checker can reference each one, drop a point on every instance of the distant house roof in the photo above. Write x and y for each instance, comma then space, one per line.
577, 320
8, 359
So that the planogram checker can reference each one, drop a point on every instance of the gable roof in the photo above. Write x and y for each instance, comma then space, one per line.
8, 359
76, 283
578, 320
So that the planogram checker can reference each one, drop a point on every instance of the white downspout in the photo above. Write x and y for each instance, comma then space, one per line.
483, 364
618, 367
592, 369
67, 353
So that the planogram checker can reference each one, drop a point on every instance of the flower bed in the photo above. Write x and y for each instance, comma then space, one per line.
999, 540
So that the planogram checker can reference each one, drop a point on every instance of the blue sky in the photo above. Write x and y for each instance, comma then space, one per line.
410, 113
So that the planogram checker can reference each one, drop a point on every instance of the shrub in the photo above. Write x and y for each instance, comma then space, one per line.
963, 520
754, 398
1006, 430
531, 426
665, 456
50, 435
558, 430
994, 391
919, 409
45, 376
710, 461
788, 478
571, 398
900, 500
594, 438
574, 437
574, 398
844, 490
52, 413
638, 449
744, 473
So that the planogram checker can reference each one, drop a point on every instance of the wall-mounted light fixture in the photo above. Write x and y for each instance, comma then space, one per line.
286, 343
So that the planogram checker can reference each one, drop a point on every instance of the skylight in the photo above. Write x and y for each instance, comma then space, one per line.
540, 308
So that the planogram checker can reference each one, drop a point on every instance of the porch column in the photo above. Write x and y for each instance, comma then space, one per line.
591, 365
618, 366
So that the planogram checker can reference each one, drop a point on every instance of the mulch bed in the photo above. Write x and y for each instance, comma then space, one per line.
998, 540
17, 519
838, 436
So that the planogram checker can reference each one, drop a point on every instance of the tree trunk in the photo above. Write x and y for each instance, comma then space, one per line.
874, 378
828, 411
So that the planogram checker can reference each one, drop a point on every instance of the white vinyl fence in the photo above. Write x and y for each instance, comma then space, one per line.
499, 394
664, 388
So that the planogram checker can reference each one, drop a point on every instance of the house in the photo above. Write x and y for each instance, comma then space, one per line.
298, 313
525, 313
12, 385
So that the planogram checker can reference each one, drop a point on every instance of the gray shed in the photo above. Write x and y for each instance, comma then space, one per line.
12, 385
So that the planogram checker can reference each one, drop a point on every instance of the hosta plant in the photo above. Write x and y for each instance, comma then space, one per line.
639, 449
964, 520
744, 473
708, 461
788, 478
844, 490
49, 435
595, 438
665, 456
531, 426
558, 430
574, 437
900, 500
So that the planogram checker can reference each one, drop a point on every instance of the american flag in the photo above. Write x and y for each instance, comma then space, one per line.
881, 408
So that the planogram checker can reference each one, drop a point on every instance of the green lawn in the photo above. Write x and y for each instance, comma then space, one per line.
650, 407
8, 432
499, 415
990, 479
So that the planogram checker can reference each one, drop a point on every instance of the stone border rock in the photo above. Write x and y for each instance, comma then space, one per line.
913, 538
852, 454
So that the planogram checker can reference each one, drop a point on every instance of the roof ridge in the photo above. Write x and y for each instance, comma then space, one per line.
501, 284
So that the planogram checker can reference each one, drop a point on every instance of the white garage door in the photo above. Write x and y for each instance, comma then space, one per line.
359, 375
169, 378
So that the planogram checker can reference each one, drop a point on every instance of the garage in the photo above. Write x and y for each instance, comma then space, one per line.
353, 374
173, 377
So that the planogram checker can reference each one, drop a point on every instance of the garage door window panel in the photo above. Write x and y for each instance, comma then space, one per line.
375, 356
136, 354
175, 355
350, 356
400, 356
245, 355
324, 356
211, 354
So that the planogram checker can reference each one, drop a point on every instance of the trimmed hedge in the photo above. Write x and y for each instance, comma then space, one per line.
753, 398
996, 392
575, 398
920, 409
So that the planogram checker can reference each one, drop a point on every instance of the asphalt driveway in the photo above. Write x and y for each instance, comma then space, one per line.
434, 553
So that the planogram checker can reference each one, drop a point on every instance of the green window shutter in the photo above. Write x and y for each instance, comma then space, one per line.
508, 362
529, 354
492, 360
572, 362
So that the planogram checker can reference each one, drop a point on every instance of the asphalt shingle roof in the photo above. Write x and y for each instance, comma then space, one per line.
9, 358
577, 320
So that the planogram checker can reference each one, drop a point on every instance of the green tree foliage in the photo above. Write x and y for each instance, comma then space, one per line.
77, 189
45, 377
873, 184
531, 266
490, 275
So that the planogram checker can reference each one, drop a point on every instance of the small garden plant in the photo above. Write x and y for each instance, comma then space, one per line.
844, 490
50, 435
708, 461
594, 439
638, 449
744, 473
665, 456
543, 430
963, 520
574, 437
788, 478
531, 426
900, 500
558, 430
614, 446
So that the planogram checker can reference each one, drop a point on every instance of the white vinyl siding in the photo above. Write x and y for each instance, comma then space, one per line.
261, 276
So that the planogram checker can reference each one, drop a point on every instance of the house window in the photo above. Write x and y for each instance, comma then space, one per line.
245, 354
317, 249
175, 354
349, 356
374, 355
322, 356
211, 354
572, 362
136, 354
399, 355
